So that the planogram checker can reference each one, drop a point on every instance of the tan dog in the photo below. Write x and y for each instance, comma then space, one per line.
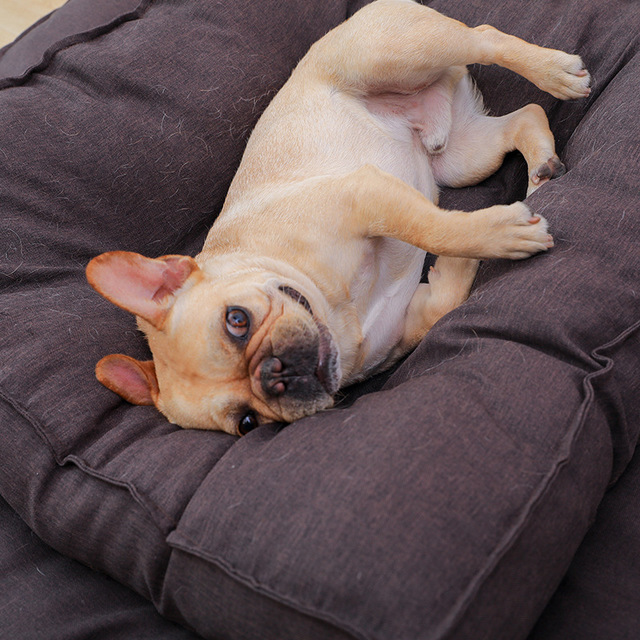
309, 279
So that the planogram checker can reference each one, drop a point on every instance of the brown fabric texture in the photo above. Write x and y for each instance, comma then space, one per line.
45, 595
445, 499
598, 598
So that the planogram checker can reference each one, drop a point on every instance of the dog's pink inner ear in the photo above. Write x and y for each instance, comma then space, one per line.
132, 379
144, 286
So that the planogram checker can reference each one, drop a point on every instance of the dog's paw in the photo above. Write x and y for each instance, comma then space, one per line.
453, 273
450, 280
515, 232
565, 77
552, 168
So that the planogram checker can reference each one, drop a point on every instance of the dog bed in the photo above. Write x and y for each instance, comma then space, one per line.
444, 499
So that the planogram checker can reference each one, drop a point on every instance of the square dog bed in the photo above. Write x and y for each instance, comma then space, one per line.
445, 499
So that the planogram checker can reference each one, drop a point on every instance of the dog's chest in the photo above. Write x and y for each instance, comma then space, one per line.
388, 278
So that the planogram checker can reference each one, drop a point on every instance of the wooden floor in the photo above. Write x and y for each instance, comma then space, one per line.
17, 15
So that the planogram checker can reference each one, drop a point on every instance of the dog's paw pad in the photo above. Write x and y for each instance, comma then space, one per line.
552, 168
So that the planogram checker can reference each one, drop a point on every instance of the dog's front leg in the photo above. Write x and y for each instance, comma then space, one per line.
450, 281
380, 204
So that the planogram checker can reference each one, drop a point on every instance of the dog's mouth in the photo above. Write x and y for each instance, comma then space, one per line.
297, 296
327, 370
299, 369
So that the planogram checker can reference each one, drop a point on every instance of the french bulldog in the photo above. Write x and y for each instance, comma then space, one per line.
309, 280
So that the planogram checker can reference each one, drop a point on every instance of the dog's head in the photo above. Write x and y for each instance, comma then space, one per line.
231, 349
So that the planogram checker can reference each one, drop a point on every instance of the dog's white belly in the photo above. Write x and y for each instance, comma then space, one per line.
392, 270
385, 139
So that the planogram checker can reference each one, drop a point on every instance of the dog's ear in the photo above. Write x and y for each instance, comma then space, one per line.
132, 379
144, 286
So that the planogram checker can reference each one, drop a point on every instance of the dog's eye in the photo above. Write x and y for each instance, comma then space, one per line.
247, 423
237, 322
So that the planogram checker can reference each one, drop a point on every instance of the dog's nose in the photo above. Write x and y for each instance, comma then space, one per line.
292, 373
271, 377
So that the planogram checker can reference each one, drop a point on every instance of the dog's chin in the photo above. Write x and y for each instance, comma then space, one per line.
306, 409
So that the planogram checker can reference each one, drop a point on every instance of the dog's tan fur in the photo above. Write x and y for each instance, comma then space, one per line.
322, 236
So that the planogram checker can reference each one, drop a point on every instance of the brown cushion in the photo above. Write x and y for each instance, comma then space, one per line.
599, 596
448, 503
46, 595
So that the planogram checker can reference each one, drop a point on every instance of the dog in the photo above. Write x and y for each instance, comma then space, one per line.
309, 280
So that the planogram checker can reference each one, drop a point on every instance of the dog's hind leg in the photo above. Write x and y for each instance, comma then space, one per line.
478, 143
402, 46
393, 46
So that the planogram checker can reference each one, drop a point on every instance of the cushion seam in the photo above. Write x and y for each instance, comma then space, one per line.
252, 583
514, 534
166, 524
24, 413
69, 41
26, 32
